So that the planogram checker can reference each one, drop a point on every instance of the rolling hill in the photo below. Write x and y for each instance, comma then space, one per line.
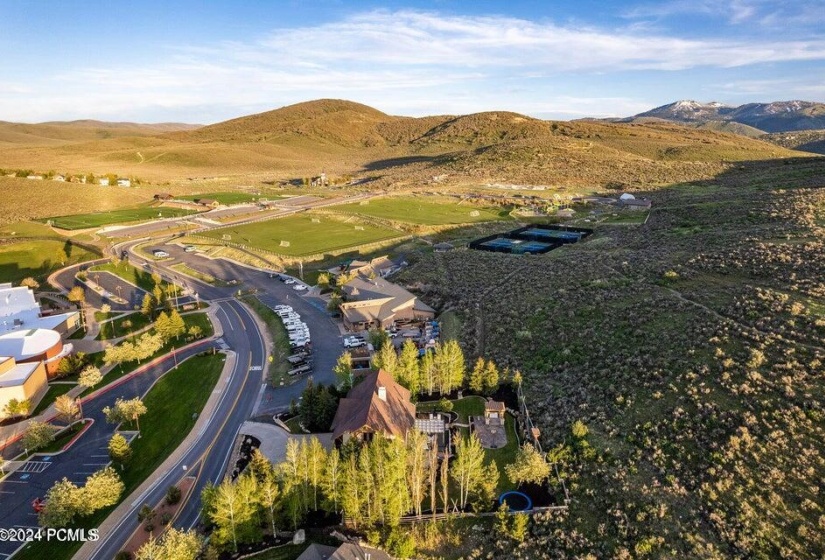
343, 137
60, 132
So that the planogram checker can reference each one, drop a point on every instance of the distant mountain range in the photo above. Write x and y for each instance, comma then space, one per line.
777, 116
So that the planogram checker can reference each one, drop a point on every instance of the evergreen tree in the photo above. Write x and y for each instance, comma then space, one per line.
177, 325
119, 450
163, 326
147, 306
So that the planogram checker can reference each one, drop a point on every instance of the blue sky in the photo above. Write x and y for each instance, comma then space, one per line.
203, 62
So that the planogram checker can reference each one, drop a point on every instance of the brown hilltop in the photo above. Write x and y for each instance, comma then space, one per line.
346, 137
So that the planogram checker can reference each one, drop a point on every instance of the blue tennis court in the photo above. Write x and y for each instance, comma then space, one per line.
516, 245
539, 233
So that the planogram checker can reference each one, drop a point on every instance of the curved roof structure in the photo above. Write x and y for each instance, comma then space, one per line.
28, 343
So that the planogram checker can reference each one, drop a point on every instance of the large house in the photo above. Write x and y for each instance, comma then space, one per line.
379, 266
379, 304
345, 551
375, 405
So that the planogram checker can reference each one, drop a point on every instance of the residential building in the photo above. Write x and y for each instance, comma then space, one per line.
103, 181
376, 404
59, 178
346, 551
379, 303
27, 381
124, 182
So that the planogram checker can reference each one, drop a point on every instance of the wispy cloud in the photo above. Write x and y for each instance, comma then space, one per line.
406, 62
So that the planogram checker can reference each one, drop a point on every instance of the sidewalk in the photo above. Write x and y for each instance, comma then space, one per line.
112, 521
10, 434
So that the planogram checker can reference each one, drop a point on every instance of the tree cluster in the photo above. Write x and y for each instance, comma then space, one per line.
65, 501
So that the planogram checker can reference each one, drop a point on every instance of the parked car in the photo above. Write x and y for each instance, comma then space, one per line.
159, 254
289, 280
299, 287
189, 249
353, 343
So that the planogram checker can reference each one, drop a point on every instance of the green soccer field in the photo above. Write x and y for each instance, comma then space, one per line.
98, 219
296, 236
226, 197
415, 211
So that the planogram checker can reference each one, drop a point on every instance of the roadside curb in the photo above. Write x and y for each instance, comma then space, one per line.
113, 520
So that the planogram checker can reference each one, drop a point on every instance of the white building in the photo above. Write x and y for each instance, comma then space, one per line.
20, 310
123, 182
103, 182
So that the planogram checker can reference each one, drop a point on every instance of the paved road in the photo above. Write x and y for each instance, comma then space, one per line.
326, 338
207, 458
89, 454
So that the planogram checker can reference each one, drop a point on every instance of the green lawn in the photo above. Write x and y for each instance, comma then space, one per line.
199, 319
140, 278
415, 211
116, 328
170, 405
54, 391
279, 366
62, 439
466, 407
303, 235
505, 455
224, 197
202, 276
98, 219
38, 258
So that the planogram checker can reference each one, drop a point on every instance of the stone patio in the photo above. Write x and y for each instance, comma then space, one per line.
492, 435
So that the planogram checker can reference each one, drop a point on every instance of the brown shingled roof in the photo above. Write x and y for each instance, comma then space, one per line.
362, 408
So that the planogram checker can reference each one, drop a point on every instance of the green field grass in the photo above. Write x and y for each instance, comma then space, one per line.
98, 219
224, 197
136, 276
415, 211
171, 406
54, 391
116, 327
38, 258
304, 236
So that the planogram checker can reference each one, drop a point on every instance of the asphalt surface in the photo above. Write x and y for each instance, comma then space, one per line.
87, 455
327, 344
207, 458
243, 397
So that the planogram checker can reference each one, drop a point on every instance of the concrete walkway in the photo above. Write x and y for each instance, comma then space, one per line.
273, 439
11, 433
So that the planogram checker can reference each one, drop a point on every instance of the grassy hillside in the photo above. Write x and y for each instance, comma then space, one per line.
341, 137
691, 347
51, 133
